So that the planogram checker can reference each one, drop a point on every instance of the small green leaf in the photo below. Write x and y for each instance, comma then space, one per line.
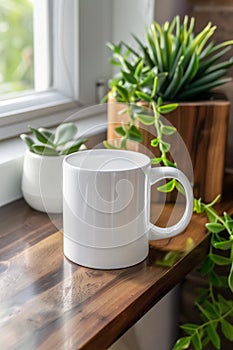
168, 129
134, 134
179, 187
47, 133
230, 278
120, 131
213, 335
220, 260
74, 147
223, 245
145, 119
156, 160
39, 135
123, 93
138, 69
227, 329
44, 150
65, 133
196, 341
28, 140
215, 227
155, 87
164, 146
182, 343
154, 142
129, 77
168, 187
168, 108
197, 206
143, 96
230, 224
206, 266
189, 328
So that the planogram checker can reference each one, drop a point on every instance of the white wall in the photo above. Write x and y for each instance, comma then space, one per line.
131, 16
95, 30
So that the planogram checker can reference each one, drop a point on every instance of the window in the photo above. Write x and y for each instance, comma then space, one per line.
16, 46
37, 65
70, 55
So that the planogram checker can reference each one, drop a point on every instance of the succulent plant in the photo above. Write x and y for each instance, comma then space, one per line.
54, 143
187, 64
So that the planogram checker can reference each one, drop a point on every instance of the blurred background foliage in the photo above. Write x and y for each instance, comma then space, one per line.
16, 46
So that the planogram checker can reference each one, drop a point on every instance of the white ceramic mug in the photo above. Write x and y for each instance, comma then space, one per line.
106, 207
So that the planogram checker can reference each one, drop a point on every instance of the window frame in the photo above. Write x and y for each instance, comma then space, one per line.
32, 107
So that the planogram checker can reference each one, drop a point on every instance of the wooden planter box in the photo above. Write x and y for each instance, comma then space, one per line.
203, 127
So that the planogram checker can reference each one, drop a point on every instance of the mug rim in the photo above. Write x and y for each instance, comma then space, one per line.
145, 160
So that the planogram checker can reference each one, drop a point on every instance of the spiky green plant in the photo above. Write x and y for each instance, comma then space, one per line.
187, 64
62, 141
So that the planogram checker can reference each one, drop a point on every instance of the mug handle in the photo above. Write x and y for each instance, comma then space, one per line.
158, 174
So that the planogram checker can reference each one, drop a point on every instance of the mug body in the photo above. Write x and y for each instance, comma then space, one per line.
106, 204
42, 182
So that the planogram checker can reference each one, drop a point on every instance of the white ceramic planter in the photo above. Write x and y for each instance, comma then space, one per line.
42, 182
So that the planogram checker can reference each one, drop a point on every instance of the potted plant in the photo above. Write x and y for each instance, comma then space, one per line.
175, 65
42, 169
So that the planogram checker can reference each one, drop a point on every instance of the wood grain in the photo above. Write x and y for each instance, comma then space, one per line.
48, 302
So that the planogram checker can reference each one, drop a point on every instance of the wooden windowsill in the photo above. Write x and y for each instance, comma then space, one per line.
47, 302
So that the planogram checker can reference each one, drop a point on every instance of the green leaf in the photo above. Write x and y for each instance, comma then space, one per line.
220, 260
189, 327
155, 87
168, 187
44, 150
48, 134
197, 206
143, 96
168, 130
215, 227
223, 245
65, 133
230, 278
227, 329
156, 160
213, 335
168, 108
119, 130
206, 266
182, 343
154, 142
138, 69
129, 77
179, 187
211, 308
229, 224
39, 135
196, 341
74, 147
145, 119
123, 92
164, 146
28, 140
134, 134
114, 62
188, 93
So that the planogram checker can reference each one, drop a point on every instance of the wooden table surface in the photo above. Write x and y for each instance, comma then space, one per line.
48, 302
